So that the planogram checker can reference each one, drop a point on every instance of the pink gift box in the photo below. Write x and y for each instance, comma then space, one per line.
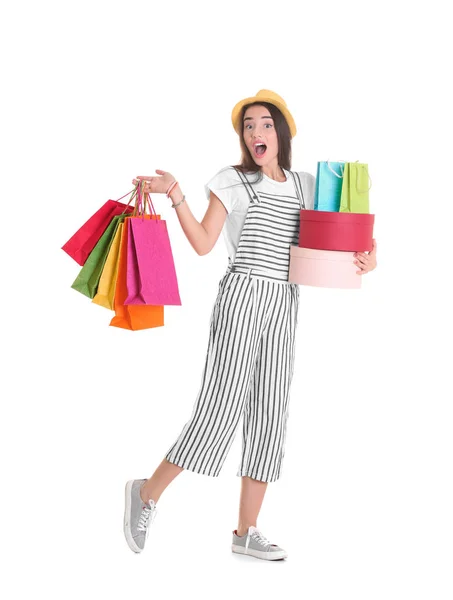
323, 268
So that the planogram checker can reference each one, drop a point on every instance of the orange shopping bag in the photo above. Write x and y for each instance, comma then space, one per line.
139, 316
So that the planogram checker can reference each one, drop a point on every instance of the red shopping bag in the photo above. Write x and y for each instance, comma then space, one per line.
80, 245
151, 274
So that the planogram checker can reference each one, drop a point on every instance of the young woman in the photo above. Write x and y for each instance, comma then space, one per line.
250, 358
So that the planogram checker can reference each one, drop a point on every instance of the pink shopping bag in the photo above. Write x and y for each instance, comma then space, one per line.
132, 317
151, 274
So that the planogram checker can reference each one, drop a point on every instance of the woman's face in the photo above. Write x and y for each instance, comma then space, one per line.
258, 129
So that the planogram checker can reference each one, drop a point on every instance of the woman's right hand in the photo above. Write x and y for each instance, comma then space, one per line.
157, 184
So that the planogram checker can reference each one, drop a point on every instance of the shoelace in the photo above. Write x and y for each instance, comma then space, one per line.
146, 517
259, 537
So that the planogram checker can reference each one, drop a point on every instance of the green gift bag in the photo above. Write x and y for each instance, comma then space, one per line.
105, 294
87, 280
355, 188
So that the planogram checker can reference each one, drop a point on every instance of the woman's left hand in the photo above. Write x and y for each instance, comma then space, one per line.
366, 261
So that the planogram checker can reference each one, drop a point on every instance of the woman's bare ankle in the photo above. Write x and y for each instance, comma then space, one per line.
242, 530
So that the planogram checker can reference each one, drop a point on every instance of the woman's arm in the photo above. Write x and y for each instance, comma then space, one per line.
202, 236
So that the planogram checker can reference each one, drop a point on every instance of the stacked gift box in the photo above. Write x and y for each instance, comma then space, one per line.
339, 226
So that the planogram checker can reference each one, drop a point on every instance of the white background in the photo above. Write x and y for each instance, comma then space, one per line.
94, 93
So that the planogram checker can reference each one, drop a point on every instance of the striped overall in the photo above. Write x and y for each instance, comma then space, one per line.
250, 357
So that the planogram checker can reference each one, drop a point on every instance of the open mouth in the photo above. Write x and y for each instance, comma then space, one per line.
260, 149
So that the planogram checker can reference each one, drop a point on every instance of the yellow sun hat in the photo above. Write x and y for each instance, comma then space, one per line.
263, 96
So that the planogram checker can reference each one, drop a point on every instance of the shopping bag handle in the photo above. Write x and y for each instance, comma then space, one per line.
133, 193
357, 181
336, 174
152, 210
126, 195
140, 209
143, 201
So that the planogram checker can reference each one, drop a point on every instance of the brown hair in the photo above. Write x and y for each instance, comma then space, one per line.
247, 163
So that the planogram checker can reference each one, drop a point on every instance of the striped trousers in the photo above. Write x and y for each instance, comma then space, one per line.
248, 372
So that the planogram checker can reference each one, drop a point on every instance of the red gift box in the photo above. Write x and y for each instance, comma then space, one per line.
323, 230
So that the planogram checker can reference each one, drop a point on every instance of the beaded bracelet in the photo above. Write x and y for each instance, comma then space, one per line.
175, 205
171, 187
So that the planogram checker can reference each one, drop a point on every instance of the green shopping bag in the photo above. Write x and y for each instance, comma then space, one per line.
355, 188
105, 294
87, 280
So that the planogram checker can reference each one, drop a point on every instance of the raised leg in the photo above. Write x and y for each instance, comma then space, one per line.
161, 478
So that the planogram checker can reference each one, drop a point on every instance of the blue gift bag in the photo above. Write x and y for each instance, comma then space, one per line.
329, 180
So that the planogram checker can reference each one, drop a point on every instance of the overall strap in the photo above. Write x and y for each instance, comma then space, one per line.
252, 195
298, 187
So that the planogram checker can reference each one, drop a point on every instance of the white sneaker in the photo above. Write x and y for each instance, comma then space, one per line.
138, 516
255, 544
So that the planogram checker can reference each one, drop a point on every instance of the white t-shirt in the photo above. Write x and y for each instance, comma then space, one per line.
229, 188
